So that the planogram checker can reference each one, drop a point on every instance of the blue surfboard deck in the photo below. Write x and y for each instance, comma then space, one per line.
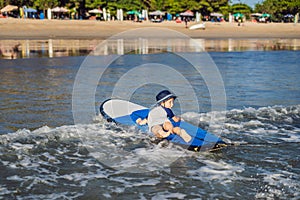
124, 112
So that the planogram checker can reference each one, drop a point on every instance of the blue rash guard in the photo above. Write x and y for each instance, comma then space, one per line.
170, 115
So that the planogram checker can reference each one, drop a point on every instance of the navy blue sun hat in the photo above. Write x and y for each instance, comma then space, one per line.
164, 95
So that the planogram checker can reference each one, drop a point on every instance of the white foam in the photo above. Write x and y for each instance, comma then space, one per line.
56, 195
278, 184
44, 129
233, 126
52, 159
4, 191
212, 170
168, 195
292, 138
253, 123
15, 178
25, 147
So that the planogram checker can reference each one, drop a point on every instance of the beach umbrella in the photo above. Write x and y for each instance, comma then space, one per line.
31, 10
133, 12
158, 12
95, 11
9, 8
56, 9
266, 15
59, 9
256, 15
216, 15
187, 13
238, 15
288, 16
62, 9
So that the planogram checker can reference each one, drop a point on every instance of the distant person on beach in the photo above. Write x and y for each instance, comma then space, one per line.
186, 22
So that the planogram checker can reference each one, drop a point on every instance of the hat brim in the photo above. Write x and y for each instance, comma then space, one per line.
166, 98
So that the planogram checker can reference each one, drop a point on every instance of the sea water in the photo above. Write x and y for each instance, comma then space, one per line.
42, 155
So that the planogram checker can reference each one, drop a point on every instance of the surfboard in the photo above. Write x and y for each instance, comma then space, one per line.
125, 113
198, 26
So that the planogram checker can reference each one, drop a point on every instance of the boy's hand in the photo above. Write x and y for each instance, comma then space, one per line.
176, 119
141, 122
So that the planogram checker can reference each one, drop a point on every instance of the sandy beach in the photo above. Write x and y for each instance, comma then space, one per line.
68, 37
87, 29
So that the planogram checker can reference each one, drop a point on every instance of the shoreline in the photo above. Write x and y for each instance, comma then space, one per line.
21, 38
11, 49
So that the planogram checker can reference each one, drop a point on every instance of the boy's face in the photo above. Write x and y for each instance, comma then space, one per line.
168, 103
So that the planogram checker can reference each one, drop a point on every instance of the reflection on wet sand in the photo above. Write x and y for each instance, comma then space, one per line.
11, 49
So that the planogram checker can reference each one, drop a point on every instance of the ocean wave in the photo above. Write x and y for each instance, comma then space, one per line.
274, 121
250, 125
72, 157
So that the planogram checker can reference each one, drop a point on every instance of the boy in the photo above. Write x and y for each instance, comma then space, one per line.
159, 117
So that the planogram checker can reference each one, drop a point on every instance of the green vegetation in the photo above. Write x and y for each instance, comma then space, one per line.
171, 6
277, 8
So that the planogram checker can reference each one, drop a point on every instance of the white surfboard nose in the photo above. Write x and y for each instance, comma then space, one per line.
117, 108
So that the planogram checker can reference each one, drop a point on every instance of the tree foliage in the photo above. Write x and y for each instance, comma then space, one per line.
172, 6
277, 8
241, 8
